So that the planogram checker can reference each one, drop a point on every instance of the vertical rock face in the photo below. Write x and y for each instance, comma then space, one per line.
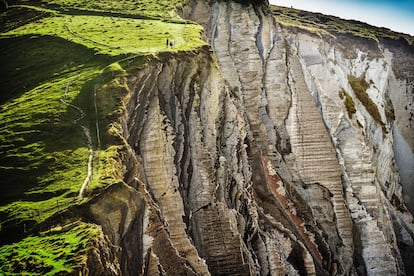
247, 158
316, 160
188, 132
364, 146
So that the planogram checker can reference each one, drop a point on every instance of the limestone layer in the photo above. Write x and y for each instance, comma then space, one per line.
244, 158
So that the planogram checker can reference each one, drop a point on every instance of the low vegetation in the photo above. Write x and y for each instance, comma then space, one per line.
161, 9
115, 35
64, 68
360, 86
44, 151
57, 251
15, 17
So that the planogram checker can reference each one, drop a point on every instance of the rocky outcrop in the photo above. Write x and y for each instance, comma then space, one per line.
184, 105
273, 150
246, 157
364, 147
120, 211
101, 258
316, 161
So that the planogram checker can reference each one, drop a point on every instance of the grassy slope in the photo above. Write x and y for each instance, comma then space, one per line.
57, 55
56, 48
57, 251
162, 9
113, 35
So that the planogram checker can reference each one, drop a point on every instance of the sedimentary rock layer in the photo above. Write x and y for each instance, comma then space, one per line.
245, 159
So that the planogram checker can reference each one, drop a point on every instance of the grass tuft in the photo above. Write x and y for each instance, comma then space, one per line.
360, 86
349, 102
58, 251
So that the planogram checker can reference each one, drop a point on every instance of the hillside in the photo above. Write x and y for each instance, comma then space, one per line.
63, 79
195, 138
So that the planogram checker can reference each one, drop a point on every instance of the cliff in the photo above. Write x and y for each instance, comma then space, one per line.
279, 146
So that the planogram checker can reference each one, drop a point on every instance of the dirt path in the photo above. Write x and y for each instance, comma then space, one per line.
90, 162
87, 133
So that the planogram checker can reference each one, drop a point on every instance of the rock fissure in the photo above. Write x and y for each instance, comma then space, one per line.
245, 162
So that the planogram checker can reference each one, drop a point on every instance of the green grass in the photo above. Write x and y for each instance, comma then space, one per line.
163, 9
58, 251
19, 16
115, 35
48, 53
78, 51
360, 86
43, 153
349, 103
28, 61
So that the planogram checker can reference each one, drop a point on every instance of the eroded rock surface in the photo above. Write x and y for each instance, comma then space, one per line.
244, 157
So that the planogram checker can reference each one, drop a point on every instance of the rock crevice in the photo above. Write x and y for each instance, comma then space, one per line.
247, 161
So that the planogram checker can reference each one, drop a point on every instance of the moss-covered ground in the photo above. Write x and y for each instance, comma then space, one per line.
63, 67
59, 251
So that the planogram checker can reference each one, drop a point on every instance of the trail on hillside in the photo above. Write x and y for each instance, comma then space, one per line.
63, 100
87, 133
90, 162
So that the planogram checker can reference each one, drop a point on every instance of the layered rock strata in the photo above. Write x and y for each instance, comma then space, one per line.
244, 157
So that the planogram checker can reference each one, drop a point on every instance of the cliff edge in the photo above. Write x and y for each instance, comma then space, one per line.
204, 138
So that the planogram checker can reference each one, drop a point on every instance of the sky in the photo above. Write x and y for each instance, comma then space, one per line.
397, 15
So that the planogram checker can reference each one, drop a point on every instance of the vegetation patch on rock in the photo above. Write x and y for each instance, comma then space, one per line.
349, 102
360, 86
57, 251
